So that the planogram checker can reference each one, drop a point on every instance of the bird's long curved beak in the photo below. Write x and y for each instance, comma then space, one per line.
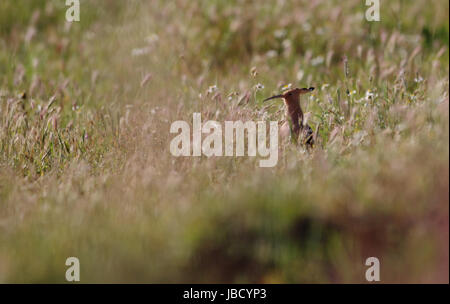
273, 97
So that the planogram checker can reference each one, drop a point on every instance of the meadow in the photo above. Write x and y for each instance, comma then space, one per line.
86, 171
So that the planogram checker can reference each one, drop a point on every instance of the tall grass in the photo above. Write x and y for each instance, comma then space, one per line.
85, 167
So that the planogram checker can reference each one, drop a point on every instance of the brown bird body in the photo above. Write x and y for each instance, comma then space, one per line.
294, 113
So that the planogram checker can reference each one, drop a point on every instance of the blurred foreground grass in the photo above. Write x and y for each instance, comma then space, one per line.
85, 169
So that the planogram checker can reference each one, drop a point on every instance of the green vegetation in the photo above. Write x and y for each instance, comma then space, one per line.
85, 167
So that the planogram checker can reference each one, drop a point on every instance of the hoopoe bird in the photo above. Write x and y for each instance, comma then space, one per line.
294, 122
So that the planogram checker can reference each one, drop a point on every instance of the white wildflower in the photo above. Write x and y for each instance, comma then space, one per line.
140, 51
259, 86
306, 27
287, 44
212, 89
152, 39
280, 33
370, 95
418, 79
286, 87
271, 54
318, 60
